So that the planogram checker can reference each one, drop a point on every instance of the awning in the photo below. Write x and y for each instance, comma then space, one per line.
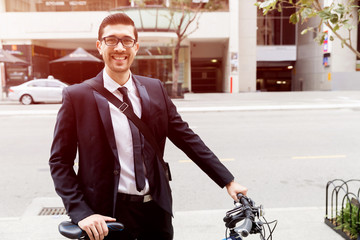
79, 55
7, 57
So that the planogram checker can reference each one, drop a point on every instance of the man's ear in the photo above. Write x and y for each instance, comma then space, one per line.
137, 46
98, 46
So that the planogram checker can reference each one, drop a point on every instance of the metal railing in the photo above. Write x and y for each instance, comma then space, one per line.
342, 207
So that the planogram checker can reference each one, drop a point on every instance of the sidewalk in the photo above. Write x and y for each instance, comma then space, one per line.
255, 101
268, 101
293, 224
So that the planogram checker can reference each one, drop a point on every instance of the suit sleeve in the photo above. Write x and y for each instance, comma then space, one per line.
192, 145
63, 153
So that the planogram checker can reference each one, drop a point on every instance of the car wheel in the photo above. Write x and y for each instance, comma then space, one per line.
26, 99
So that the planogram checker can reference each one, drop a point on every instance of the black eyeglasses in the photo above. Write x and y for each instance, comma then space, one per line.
112, 41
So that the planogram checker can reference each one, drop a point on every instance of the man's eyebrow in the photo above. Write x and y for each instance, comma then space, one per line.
110, 36
126, 36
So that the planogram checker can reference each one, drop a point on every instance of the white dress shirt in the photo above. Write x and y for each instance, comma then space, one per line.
127, 183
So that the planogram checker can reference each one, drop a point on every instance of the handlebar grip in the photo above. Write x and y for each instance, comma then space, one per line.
73, 231
243, 200
240, 196
245, 228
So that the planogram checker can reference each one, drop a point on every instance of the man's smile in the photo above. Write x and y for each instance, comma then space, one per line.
119, 57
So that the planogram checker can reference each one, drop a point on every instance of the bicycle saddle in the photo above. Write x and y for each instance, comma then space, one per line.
73, 231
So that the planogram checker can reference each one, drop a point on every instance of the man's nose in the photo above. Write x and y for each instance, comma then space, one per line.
119, 46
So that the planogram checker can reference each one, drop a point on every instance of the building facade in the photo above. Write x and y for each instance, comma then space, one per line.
234, 49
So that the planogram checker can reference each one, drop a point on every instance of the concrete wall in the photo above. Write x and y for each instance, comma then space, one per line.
247, 24
344, 60
207, 49
309, 70
345, 81
50, 25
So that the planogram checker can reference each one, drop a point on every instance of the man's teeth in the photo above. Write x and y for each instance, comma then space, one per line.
120, 58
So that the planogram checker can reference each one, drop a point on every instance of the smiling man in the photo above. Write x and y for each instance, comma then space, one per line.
120, 177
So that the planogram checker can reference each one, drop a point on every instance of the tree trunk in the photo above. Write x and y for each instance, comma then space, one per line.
174, 91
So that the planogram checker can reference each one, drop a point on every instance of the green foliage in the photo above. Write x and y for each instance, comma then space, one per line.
320, 38
294, 18
348, 220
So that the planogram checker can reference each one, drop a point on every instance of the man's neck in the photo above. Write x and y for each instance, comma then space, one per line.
120, 78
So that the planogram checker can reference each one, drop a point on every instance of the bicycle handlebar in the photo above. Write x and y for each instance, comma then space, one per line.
73, 231
245, 228
246, 211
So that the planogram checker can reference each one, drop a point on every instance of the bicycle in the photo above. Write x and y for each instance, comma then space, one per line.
246, 211
73, 231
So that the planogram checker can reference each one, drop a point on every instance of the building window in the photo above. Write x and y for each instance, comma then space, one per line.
63, 5
275, 28
95, 5
155, 62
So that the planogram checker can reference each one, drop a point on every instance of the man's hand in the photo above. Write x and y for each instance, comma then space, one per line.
234, 188
95, 226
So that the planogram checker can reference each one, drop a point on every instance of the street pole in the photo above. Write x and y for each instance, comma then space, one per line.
2, 76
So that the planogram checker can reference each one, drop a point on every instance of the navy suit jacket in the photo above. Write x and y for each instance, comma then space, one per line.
84, 127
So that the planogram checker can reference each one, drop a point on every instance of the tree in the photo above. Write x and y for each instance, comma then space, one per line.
183, 14
186, 16
336, 16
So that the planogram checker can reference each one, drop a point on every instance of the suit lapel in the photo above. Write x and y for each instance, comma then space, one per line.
145, 100
148, 151
104, 111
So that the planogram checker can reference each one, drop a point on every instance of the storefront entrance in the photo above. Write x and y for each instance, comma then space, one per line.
159, 67
274, 77
205, 75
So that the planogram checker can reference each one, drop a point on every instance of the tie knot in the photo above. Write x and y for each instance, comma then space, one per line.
123, 91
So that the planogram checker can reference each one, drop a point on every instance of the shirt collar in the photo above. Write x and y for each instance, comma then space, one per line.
112, 86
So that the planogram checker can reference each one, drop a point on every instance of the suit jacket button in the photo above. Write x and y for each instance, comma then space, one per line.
116, 172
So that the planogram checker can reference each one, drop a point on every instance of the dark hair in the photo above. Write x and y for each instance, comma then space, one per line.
117, 18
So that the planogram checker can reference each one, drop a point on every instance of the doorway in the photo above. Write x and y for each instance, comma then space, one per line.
274, 77
206, 75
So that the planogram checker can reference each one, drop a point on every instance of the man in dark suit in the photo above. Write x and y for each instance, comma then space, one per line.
108, 184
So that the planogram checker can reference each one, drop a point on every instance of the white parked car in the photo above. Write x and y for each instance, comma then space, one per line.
39, 90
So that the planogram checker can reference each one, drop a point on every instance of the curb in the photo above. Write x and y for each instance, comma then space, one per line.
209, 109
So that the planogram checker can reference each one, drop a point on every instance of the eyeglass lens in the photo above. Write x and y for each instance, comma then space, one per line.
113, 41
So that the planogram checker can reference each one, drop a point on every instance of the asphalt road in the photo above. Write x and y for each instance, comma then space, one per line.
284, 157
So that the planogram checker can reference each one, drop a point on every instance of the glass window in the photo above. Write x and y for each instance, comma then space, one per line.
155, 62
275, 28
53, 84
37, 84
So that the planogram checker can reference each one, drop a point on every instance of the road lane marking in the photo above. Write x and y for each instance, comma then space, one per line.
27, 112
221, 160
319, 157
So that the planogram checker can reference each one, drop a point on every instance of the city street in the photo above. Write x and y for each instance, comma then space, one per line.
284, 156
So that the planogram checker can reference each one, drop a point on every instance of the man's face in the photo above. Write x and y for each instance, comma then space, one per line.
118, 59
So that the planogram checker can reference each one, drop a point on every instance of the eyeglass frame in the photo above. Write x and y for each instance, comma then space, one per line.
119, 40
